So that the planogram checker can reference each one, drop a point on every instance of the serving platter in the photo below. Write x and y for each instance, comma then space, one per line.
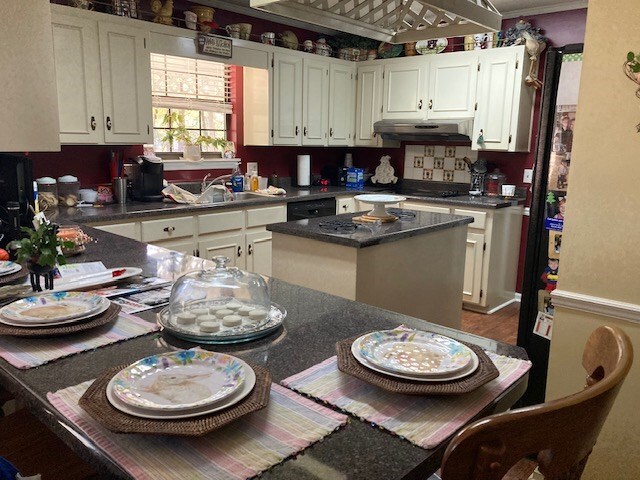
234, 398
178, 381
425, 47
53, 309
414, 352
96, 279
379, 201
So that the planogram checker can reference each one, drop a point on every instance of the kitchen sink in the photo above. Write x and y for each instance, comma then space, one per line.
246, 195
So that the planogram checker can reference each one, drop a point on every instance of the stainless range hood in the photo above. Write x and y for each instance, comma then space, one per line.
427, 131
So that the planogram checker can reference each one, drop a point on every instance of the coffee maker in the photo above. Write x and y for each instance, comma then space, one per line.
16, 196
146, 174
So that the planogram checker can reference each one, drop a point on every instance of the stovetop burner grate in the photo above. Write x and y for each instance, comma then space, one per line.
337, 226
402, 214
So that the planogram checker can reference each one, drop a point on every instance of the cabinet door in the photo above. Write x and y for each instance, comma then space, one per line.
231, 246
126, 84
315, 102
128, 230
404, 90
345, 205
368, 105
472, 287
287, 99
341, 119
259, 252
495, 99
452, 86
77, 61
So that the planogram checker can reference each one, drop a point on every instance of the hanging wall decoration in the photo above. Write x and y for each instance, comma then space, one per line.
632, 70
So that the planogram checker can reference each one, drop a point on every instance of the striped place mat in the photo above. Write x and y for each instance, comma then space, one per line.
425, 421
243, 449
23, 352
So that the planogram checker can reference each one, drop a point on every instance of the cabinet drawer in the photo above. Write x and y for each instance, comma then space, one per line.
264, 216
479, 218
167, 228
220, 222
124, 229
421, 207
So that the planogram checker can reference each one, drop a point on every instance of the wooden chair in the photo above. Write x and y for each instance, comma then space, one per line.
561, 432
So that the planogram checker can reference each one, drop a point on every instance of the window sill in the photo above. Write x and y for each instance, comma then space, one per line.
205, 164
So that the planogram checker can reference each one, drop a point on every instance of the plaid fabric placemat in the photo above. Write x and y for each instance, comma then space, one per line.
33, 352
425, 421
243, 449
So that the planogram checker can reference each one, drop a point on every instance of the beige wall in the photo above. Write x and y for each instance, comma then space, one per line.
601, 247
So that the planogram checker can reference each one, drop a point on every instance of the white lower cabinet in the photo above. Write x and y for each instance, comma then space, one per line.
129, 230
345, 205
186, 246
229, 245
472, 287
258, 248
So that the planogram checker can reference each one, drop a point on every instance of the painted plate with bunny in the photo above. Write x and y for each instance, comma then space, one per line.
179, 380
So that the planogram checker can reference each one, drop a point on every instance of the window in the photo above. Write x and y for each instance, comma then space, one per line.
197, 91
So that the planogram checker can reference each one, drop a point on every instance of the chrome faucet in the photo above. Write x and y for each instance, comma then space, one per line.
222, 179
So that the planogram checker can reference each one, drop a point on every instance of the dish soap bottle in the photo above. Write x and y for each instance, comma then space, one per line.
237, 179
254, 182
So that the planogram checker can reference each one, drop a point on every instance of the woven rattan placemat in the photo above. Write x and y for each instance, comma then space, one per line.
485, 372
95, 403
108, 316
14, 277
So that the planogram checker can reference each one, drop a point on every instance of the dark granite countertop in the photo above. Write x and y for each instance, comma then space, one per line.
314, 323
137, 210
369, 234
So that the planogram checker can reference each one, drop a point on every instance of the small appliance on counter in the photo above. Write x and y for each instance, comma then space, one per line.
146, 174
16, 195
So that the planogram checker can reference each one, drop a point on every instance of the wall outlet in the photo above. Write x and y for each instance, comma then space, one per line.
528, 175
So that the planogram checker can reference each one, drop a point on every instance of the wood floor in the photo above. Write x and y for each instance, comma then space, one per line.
502, 325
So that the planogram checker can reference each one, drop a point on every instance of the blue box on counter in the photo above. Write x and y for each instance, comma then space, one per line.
355, 178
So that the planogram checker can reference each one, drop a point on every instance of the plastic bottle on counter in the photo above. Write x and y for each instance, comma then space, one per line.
237, 179
273, 180
254, 182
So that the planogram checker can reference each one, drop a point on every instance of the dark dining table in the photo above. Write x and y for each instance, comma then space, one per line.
315, 321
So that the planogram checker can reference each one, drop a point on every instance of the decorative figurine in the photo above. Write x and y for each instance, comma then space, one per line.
534, 48
384, 172
163, 11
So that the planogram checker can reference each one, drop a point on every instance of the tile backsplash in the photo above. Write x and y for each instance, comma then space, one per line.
440, 163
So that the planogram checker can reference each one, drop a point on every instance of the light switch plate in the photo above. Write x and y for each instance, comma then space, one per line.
528, 175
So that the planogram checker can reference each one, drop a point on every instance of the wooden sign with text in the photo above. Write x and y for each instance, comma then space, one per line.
214, 45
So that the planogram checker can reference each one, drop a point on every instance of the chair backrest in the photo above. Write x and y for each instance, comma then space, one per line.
561, 433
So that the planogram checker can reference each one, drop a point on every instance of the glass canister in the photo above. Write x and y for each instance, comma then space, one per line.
68, 190
493, 183
47, 193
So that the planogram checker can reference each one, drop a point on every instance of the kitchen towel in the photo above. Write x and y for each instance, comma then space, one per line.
243, 449
424, 421
33, 352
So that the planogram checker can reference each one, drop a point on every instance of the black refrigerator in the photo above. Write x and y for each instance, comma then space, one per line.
551, 177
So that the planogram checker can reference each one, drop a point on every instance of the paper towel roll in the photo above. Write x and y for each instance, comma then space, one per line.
304, 170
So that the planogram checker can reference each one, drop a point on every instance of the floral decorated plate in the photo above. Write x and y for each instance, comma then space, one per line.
238, 395
414, 352
50, 308
7, 267
424, 47
179, 380
389, 50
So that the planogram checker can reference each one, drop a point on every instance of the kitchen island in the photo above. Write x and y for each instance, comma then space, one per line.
314, 323
413, 266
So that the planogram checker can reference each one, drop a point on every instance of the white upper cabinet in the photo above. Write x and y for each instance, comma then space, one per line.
77, 60
103, 80
126, 84
368, 105
452, 85
505, 103
404, 89
341, 104
287, 99
315, 102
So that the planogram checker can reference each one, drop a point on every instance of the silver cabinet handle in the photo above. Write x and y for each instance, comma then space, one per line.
239, 251
297, 130
250, 249
93, 123
331, 132
108, 123
304, 131
169, 229
430, 104
420, 105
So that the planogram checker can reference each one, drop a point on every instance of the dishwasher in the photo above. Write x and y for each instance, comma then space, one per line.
311, 209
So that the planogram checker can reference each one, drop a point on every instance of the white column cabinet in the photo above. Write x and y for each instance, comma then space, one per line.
452, 86
404, 89
315, 102
505, 103
287, 99
77, 60
368, 105
341, 104
472, 286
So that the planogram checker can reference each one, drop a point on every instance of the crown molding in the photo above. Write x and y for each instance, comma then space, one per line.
563, 6
597, 305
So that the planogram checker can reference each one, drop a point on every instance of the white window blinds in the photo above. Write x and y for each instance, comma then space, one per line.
190, 84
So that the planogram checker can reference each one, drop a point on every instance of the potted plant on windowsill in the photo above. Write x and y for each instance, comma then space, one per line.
192, 146
41, 250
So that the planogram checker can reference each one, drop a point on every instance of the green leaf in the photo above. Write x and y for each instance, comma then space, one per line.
630, 57
635, 68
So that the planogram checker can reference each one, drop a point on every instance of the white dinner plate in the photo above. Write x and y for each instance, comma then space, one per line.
245, 389
473, 365
7, 267
180, 380
414, 352
33, 324
50, 308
